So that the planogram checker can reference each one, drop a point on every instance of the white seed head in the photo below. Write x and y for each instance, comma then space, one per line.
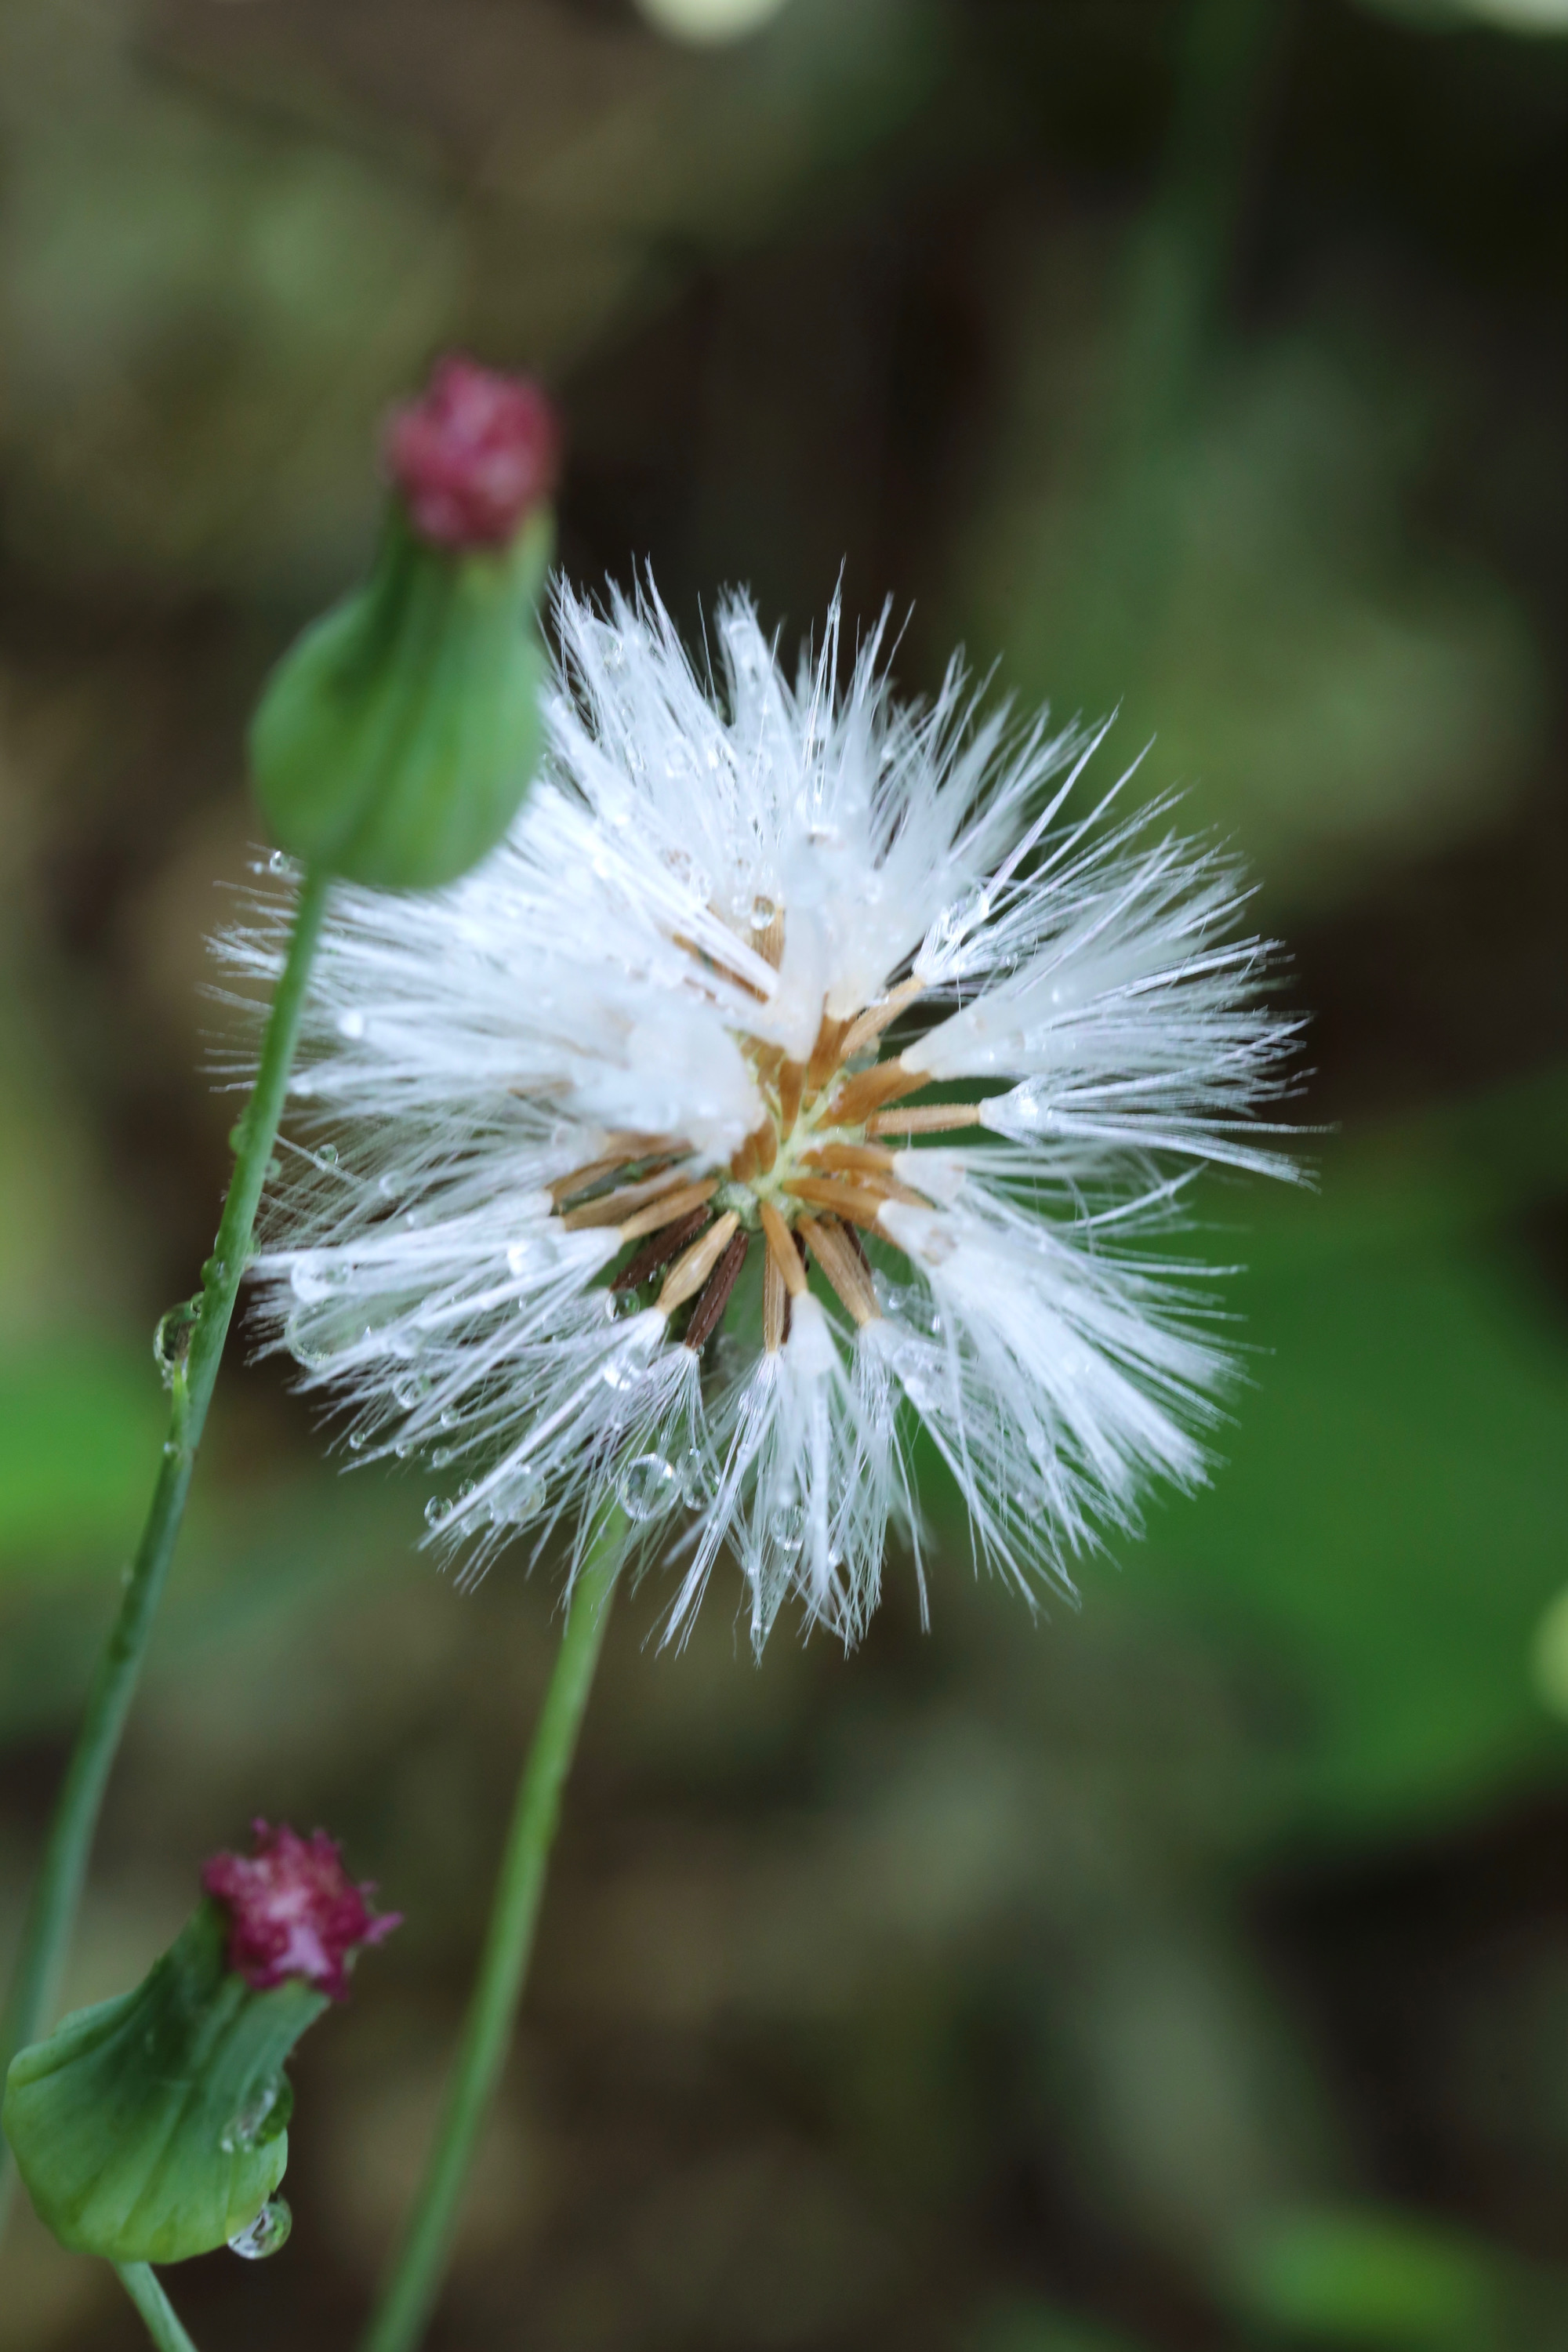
800, 1070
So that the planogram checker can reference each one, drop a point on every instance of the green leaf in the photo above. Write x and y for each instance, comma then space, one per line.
152, 2127
1385, 1524
1367, 2279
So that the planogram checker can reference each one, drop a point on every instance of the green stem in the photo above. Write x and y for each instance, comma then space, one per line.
163, 2323
1180, 261
411, 2290
59, 1888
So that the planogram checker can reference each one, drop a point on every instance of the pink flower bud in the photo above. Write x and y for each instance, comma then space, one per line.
293, 1910
474, 455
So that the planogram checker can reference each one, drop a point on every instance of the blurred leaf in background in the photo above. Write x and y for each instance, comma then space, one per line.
1390, 1514
1367, 2278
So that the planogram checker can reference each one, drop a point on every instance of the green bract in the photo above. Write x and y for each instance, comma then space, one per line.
153, 2127
397, 739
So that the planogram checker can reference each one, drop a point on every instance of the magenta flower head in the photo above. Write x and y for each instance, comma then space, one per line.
293, 1910
474, 455
154, 2127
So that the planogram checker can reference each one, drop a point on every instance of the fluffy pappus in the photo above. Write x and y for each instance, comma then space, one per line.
803, 1069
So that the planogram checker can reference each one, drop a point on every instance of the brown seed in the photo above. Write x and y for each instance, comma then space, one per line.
932, 1119
792, 1081
844, 1200
850, 1159
659, 1250
621, 1148
782, 1250
825, 1054
692, 1268
665, 1211
709, 1308
612, 1208
776, 1305
842, 1260
859, 1096
876, 1017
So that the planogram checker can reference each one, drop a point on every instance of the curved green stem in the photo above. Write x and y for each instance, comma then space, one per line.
140, 2284
415, 2283
59, 1888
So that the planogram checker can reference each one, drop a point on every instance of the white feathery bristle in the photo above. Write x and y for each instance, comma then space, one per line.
765, 966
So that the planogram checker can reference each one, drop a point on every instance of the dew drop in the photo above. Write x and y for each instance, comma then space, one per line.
268, 2234
955, 922
622, 1371
728, 1355
450, 1418
171, 1339
786, 1526
411, 1391
519, 1500
929, 1392
698, 1484
351, 1024
440, 1455
278, 863
763, 912
327, 1157
910, 1304
305, 1343
315, 1278
647, 1485
434, 1511
357, 1441
264, 2114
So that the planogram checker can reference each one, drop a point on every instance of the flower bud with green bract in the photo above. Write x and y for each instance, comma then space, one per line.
154, 2127
397, 739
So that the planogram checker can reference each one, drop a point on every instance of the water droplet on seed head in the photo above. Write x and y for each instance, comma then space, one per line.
647, 1485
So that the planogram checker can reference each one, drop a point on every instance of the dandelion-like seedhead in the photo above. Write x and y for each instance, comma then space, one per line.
801, 1071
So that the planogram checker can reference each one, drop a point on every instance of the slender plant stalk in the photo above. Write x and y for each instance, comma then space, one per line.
141, 2284
416, 2280
1180, 262
59, 1889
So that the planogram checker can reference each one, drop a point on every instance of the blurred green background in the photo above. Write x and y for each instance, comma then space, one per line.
1190, 1971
